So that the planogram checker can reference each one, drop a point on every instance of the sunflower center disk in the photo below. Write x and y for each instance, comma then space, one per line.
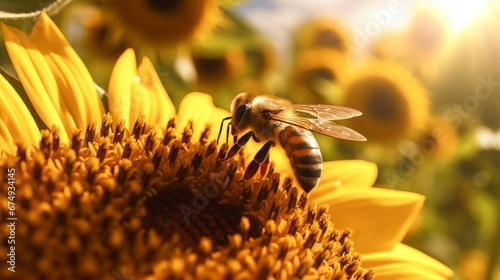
191, 216
209, 65
383, 103
168, 6
323, 72
328, 38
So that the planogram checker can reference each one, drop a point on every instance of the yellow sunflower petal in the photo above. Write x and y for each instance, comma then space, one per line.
162, 108
120, 86
68, 69
140, 103
348, 174
16, 116
380, 218
36, 77
137, 90
353, 174
55, 78
404, 262
6, 140
199, 108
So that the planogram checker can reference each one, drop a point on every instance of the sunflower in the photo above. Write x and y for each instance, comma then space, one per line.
425, 40
97, 33
419, 47
315, 72
216, 66
474, 265
262, 57
393, 102
164, 22
321, 32
106, 28
440, 139
390, 46
158, 202
427, 33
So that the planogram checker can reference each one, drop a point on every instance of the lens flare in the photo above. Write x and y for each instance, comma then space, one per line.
460, 13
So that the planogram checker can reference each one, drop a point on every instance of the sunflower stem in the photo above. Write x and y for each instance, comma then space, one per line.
16, 17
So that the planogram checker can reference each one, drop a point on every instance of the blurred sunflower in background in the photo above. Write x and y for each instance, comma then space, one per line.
161, 23
166, 22
427, 34
103, 198
234, 59
262, 56
317, 76
321, 32
427, 37
319, 61
217, 67
390, 46
440, 138
162, 30
394, 103
419, 46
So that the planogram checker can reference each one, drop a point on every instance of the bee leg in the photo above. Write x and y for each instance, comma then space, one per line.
222, 126
264, 166
261, 158
240, 143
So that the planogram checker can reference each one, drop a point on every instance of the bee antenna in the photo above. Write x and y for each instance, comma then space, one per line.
221, 126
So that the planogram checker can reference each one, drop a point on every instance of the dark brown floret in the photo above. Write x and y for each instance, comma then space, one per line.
90, 133
169, 132
158, 155
187, 133
101, 152
150, 142
106, 125
76, 140
174, 152
204, 135
196, 162
139, 127
119, 132
127, 150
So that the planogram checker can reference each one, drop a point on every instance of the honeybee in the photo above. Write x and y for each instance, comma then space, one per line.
275, 120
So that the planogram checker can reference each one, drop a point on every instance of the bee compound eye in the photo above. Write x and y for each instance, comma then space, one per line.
240, 113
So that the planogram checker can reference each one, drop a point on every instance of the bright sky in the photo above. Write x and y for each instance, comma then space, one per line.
277, 18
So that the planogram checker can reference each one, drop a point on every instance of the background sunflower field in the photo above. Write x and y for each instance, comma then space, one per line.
425, 74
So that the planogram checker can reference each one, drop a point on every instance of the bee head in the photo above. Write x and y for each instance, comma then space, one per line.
240, 110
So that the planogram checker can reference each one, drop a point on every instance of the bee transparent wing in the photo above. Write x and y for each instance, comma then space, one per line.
321, 126
327, 112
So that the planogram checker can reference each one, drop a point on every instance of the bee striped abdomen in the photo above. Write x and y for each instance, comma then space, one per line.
304, 154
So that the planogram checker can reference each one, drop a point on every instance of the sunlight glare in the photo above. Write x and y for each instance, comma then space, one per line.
460, 13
